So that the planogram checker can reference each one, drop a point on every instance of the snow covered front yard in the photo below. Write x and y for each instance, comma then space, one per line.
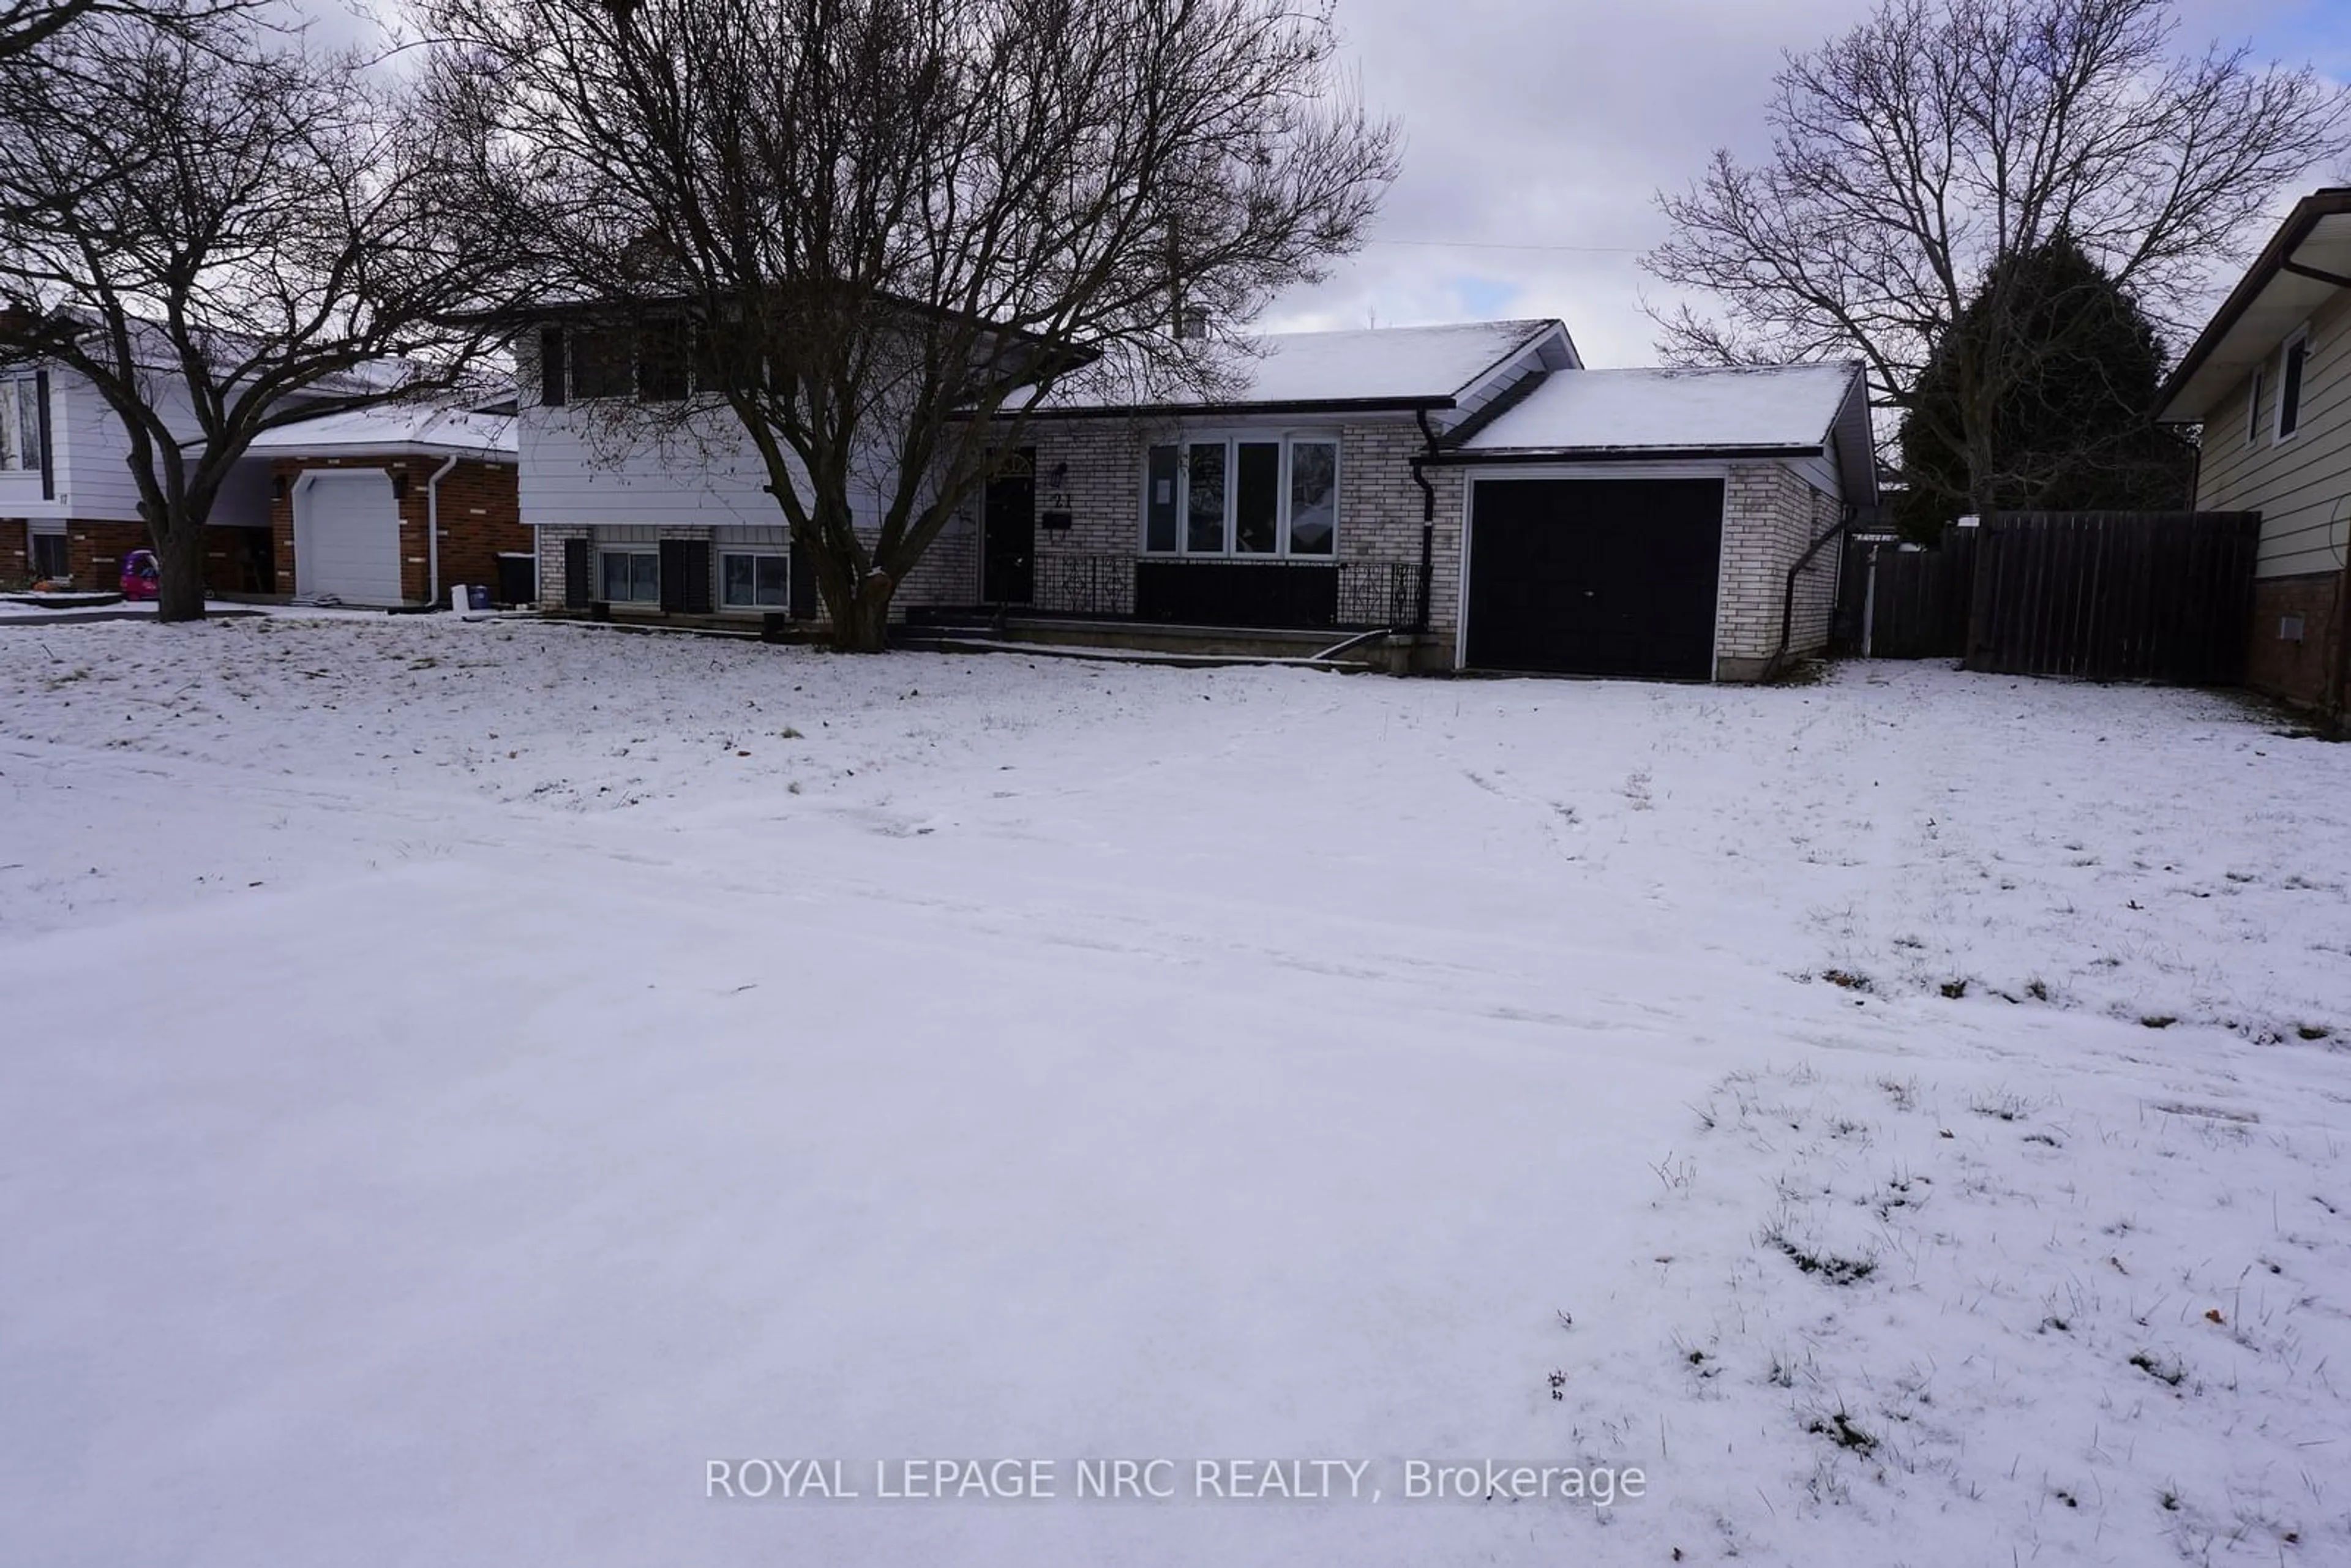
462, 1082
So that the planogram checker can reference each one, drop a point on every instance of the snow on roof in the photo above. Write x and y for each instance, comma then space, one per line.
1373, 364
393, 427
1688, 410
154, 346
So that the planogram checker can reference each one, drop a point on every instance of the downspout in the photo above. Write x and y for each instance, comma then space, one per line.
1428, 519
2334, 696
433, 531
1845, 514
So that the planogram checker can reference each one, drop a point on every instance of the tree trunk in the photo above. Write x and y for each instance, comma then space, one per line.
866, 628
180, 560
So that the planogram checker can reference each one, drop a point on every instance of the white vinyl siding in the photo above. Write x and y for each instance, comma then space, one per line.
582, 465
2302, 486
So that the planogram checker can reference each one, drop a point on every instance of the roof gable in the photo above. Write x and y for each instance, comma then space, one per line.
2307, 262
393, 427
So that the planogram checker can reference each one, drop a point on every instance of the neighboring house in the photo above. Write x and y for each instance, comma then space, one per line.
648, 502
392, 505
69, 506
2270, 381
1471, 489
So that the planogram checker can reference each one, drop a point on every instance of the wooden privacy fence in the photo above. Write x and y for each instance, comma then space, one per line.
2114, 596
2109, 595
1906, 604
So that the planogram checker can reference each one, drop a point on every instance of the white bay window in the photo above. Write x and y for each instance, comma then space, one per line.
1243, 496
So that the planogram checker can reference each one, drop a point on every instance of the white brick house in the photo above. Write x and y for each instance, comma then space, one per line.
1662, 523
1470, 491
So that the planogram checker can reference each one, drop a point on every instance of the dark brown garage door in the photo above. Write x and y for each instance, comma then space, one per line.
1594, 577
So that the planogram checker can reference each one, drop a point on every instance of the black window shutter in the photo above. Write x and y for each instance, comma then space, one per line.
686, 575
48, 464
579, 569
553, 368
800, 590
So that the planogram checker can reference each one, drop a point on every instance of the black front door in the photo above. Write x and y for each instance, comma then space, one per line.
1596, 577
1008, 532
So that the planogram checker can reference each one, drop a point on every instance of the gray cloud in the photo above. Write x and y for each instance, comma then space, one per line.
1555, 124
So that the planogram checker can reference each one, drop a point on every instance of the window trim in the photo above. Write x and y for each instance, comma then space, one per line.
695, 374
587, 346
24, 449
2253, 403
763, 552
2297, 338
37, 537
1232, 440
605, 552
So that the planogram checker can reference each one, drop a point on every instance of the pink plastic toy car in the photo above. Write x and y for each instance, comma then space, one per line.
139, 574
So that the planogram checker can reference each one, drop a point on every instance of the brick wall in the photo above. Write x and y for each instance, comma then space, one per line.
1771, 513
1093, 469
553, 585
94, 553
948, 572
240, 560
95, 550
1380, 510
481, 515
2295, 670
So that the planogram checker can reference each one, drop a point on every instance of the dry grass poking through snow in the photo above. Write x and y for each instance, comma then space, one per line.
2092, 1329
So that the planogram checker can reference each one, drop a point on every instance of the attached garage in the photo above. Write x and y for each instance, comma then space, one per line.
1594, 577
347, 537
1660, 524
394, 505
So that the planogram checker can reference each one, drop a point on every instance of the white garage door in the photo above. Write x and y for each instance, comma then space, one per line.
347, 539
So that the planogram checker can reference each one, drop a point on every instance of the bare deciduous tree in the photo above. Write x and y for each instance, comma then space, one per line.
1916, 154
27, 25
222, 233
888, 226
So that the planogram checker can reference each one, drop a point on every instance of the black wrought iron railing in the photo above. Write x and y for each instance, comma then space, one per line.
1347, 595
1380, 593
1098, 587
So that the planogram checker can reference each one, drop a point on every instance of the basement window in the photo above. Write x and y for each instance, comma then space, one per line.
630, 576
752, 579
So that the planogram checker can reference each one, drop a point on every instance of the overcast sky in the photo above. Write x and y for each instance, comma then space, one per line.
1538, 132
1553, 123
